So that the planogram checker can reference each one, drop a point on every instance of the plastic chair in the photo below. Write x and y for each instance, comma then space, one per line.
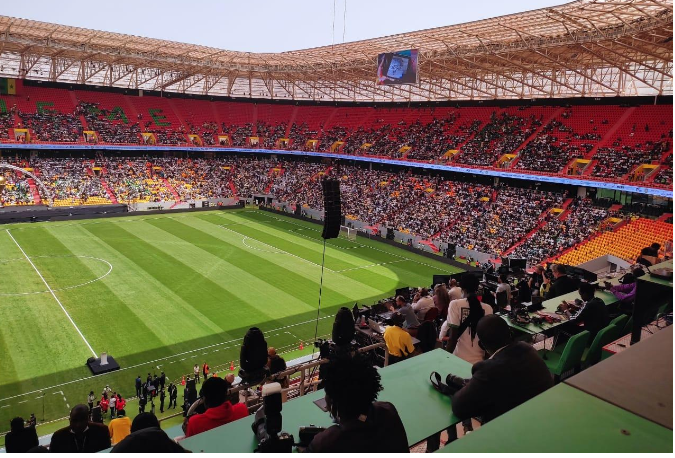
593, 354
570, 358
620, 322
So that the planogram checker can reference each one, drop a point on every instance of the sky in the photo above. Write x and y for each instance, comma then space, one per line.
264, 25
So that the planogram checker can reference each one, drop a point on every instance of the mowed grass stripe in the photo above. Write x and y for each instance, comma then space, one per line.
292, 276
107, 323
285, 232
144, 296
261, 296
198, 291
43, 338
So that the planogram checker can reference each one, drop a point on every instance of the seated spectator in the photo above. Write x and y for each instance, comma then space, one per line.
625, 291
82, 435
399, 342
503, 286
592, 313
462, 322
219, 410
405, 309
441, 300
119, 427
363, 424
422, 303
513, 374
20, 438
277, 364
561, 284
147, 437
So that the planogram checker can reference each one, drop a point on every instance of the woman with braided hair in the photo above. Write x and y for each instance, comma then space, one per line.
462, 322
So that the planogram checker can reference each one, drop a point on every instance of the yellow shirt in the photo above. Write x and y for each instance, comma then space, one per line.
398, 341
119, 429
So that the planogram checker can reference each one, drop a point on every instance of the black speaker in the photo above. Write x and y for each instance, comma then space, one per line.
298, 209
390, 233
332, 209
452, 249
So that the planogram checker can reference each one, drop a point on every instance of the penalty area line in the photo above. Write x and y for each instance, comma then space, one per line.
51, 291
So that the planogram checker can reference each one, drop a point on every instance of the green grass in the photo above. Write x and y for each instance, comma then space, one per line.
183, 289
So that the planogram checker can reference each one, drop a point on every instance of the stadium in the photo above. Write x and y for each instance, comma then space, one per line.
313, 242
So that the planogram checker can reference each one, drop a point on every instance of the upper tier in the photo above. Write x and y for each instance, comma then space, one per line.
610, 143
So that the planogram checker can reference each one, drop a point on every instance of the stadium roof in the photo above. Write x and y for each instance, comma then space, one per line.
584, 48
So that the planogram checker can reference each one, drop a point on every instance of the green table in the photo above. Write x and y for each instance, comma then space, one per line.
566, 420
423, 410
550, 306
659, 281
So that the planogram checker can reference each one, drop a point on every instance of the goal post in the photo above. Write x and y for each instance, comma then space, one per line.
347, 233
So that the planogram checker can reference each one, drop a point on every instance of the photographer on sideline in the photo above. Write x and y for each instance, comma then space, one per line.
363, 424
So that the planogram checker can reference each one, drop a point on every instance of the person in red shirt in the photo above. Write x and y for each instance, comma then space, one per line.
219, 410
205, 371
120, 402
104, 404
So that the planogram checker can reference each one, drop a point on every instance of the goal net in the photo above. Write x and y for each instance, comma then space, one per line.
347, 233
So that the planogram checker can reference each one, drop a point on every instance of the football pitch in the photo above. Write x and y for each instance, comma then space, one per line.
170, 291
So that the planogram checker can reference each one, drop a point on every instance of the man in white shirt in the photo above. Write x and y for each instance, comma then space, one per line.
455, 291
504, 286
422, 303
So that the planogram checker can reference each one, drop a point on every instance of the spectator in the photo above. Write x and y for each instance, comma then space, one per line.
593, 311
402, 307
147, 437
97, 413
363, 424
20, 439
90, 400
562, 284
81, 436
455, 291
119, 427
462, 322
422, 303
441, 300
219, 410
513, 374
399, 342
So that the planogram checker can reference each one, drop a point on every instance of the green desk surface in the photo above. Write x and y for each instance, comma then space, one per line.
566, 420
639, 379
423, 410
659, 281
551, 305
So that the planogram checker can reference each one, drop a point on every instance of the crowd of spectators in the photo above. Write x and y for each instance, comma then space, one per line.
52, 126
70, 180
617, 161
503, 134
16, 191
110, 126
560, 233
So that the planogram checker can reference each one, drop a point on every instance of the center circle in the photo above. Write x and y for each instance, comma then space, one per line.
107, 266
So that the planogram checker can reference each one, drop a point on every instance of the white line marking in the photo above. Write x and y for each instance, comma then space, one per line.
2, 407
161, 359
372, 265
21, 402
271, 246
52, 293
67, 405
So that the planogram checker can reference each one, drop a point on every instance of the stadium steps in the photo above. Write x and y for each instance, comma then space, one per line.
34, 191
111, 194
294, 116
254, 128
615, 207
537, 228
609, 135
172, 190
216, 116
664, 217
230, 183
132, 108
177, 112
589, 168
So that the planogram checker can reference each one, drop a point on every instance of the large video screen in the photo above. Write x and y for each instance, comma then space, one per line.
398, 67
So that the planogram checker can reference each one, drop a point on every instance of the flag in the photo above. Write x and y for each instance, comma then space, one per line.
7, 86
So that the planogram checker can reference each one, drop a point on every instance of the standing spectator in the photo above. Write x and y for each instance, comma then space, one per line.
205, 370
422, 303
139, 384
120, 427
162, 380
20, 439
455, 291
105, 404
462, 322
32, 421
90, 400
196, 372
113, 404
142, 401
81, 436
441, 300
162, 396
277, 364
173, 395
121, 402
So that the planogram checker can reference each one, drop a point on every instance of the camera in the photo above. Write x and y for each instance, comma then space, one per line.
268, 423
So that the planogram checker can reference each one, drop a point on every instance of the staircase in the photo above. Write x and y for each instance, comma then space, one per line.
111, 194
172, 190
294, 116
610, 133
664, 217
34, 191
177, 113
233, 188
536, 132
